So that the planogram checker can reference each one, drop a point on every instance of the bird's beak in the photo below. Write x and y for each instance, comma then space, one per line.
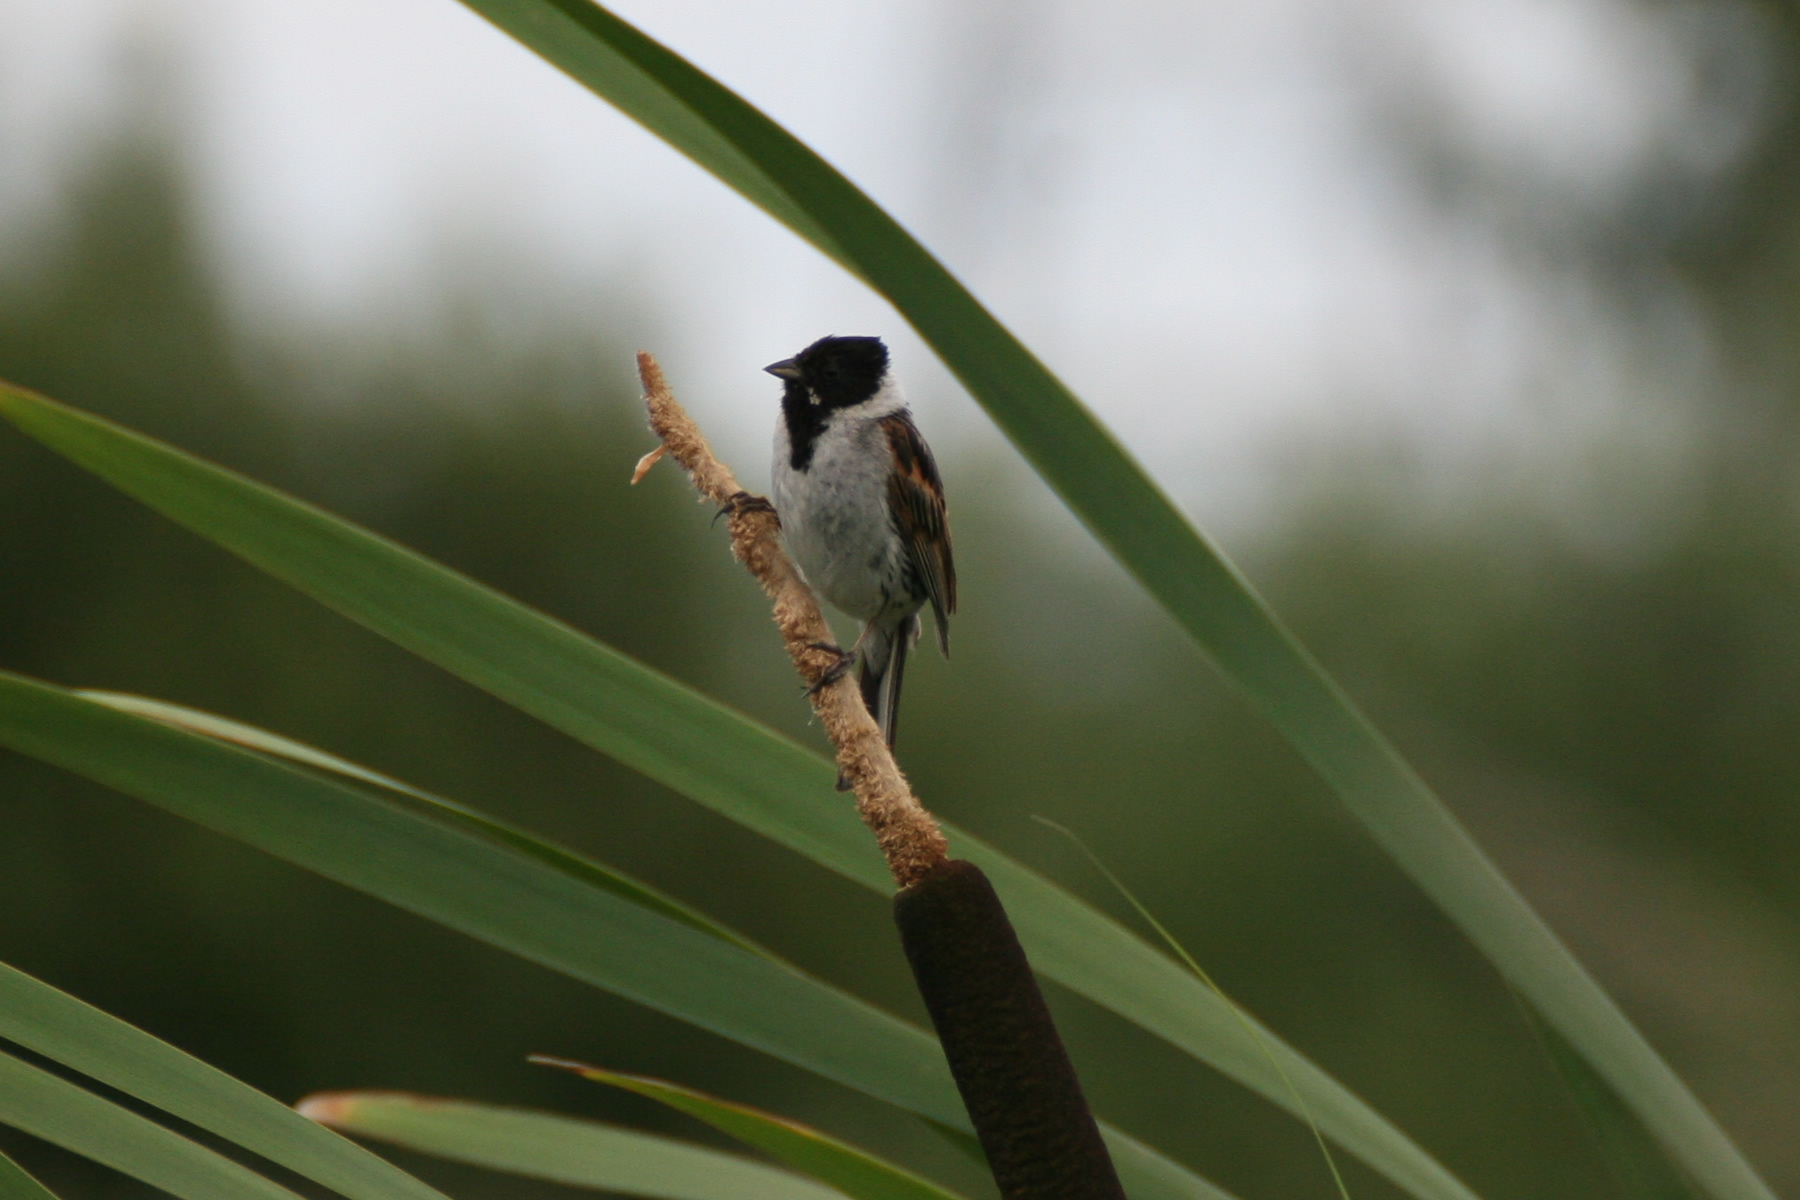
785, 369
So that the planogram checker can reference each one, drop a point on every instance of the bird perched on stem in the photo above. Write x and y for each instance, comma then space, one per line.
862, 508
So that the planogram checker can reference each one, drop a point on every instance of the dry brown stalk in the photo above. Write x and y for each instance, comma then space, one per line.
906, 833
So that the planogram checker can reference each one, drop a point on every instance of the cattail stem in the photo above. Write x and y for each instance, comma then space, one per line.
1004, 1052
908, 837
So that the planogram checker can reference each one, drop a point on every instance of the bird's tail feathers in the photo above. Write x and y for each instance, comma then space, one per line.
881, 667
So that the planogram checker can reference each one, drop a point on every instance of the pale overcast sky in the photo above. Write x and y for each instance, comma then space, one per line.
1223, 222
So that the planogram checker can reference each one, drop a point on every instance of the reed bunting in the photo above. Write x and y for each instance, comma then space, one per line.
862, 508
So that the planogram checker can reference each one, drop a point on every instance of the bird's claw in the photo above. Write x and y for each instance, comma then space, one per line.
743, 502
837, 670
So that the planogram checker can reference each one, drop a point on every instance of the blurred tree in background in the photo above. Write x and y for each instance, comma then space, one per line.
1616, 722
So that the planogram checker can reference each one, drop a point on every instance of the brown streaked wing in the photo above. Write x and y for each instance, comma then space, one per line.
916, 501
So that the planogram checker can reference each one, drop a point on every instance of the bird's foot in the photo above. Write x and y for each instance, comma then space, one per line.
837, 670
744, 502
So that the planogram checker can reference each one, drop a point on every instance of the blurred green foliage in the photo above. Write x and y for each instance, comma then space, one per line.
1617, 727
